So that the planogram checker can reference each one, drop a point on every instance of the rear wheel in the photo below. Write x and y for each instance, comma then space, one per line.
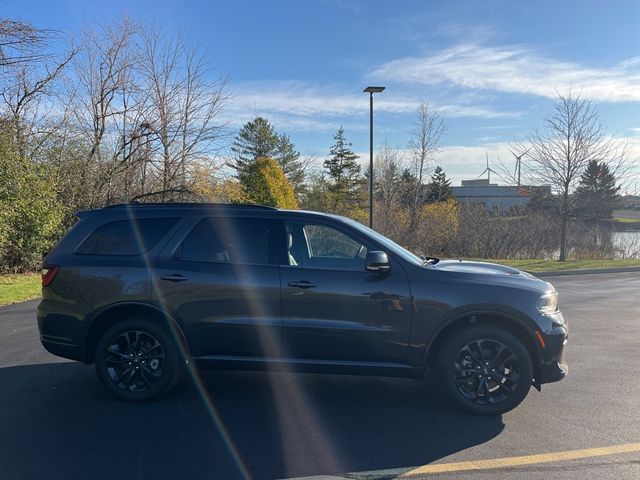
138, 360
486, 370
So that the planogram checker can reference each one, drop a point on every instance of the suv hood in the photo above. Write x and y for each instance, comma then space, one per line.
493, 273
466, 266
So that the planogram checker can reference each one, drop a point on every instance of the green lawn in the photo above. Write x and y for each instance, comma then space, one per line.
554, 265
625, 220
18, 288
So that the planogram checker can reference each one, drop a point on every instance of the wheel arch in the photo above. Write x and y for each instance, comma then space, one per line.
114, 314
510, 322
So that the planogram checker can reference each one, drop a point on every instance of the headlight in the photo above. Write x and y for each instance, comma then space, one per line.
548, 303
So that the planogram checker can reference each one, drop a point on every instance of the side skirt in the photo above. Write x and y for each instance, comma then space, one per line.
231, 362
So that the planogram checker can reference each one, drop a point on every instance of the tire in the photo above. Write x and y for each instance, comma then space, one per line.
485, 369
138, 360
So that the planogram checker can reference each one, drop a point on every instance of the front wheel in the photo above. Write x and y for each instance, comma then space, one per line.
486, 370
137, 360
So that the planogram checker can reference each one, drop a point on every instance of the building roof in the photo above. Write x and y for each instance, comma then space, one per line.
492, 190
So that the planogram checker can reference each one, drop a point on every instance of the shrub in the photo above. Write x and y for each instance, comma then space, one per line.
264, 183
30, 215
437, 227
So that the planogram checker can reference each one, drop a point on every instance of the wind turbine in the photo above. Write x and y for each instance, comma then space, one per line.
518, 168
488, 170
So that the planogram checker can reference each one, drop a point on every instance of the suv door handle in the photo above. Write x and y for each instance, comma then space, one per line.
176, 277
302, 284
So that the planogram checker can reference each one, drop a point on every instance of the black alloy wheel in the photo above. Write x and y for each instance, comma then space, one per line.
137, 359
134, 361
486, 369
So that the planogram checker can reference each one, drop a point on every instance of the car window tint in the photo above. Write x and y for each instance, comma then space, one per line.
328, 242
126, 237
320, 246
229, 240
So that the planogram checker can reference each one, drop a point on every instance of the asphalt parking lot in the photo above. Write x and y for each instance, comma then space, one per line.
57, 422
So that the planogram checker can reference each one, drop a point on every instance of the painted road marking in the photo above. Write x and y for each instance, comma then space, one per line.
523, 460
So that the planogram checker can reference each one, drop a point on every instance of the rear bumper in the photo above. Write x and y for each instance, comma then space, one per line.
61, 348
60, 334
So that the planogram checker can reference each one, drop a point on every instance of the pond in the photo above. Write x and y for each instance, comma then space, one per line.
627, 244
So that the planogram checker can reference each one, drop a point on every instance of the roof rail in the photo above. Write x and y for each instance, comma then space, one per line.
189, 205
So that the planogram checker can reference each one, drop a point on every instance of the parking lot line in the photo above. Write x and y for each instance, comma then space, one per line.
522, 460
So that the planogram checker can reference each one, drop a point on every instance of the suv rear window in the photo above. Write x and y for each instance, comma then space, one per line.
229, 240
126, 237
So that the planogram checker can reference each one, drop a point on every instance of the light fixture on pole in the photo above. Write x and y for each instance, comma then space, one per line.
371, 91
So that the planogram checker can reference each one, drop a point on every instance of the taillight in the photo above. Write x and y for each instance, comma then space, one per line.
49, 272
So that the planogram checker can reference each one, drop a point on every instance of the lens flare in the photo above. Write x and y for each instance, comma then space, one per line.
289, 397
193, 373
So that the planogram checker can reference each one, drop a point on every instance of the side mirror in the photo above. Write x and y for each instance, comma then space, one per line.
377, 261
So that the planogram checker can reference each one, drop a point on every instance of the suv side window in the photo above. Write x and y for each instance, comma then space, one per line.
126, 237
321, 246
229, 240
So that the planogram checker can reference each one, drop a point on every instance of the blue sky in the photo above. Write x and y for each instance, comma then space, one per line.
491, 69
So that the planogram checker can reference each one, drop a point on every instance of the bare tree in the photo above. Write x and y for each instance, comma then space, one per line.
29, 74
425, 142
388, 168
571, 137
185, 106
101, 90
22, 43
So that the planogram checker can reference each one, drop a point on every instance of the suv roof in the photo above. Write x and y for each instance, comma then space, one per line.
188, 205
225, 207
174, 205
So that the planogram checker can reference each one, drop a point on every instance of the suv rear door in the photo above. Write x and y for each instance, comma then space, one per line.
220, 279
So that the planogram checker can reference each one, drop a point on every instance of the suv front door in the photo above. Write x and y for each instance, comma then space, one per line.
332, 308
221, 280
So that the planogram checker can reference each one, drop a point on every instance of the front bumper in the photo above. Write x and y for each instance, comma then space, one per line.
555, 338
556, 369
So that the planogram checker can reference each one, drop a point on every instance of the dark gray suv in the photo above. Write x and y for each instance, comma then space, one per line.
145, 290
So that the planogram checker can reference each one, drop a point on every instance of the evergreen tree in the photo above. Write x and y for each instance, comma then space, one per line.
439, 188
408, 182
317, 194
289, 160
344, 172
597, 195
257, 138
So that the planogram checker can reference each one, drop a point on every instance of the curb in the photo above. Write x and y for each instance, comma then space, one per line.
584, 271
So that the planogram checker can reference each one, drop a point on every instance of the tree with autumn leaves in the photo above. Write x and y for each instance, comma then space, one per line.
264, 183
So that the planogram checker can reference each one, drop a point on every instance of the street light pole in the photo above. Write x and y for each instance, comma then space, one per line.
371, 91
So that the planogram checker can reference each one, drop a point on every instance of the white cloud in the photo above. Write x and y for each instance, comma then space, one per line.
514, 69
457, 111
301, 106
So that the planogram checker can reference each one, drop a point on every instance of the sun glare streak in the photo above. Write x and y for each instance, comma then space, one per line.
193, 373
290, 399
